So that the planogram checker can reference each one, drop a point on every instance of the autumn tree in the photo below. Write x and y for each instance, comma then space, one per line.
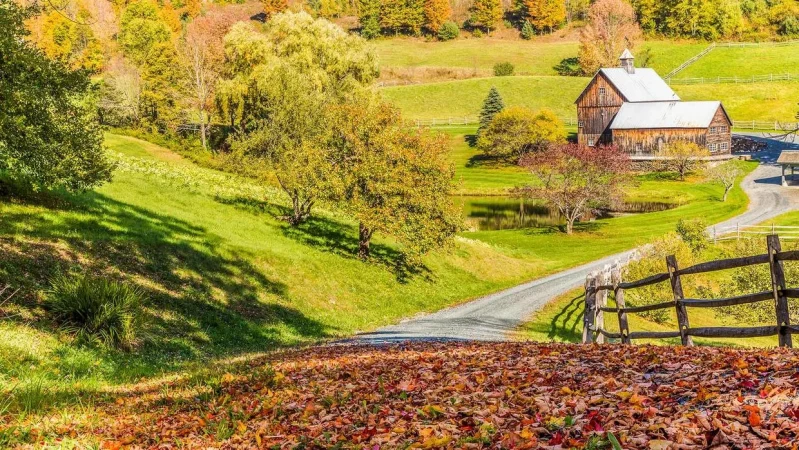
516, 131
278, 91
436, 13
485, 14
272, 7
141, 29
402, 15
682, 157
369, 18
576, 179
321, 51
725, 174
49, 136
611, 28
545, 15
120, 94
201, 54
395, 179
288, 140
492, 104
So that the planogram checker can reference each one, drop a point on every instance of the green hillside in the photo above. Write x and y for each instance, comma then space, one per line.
745, 61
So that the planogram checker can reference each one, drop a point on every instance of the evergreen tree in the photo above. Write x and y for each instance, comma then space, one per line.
491, 106
527, 30
370, 18
485, 13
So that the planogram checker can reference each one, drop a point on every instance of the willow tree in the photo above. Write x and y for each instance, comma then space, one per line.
49, 136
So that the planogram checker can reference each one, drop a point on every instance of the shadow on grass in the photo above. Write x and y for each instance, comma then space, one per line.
566, 324
204, 299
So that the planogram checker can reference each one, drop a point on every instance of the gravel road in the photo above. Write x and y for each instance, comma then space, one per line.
491, 318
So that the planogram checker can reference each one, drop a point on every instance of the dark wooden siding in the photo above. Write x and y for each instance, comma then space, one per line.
719, 135
649, 141
595, 111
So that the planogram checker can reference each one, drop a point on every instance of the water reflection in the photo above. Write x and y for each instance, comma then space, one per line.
507, 213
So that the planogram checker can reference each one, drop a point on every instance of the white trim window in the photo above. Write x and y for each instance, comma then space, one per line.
714, 147
725, 146
580, 124
714, 130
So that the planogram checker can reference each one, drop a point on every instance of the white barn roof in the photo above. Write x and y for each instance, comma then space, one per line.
644, 85
665, 115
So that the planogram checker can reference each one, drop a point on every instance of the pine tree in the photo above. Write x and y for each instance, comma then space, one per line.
370, 18
485, 13
527, 30
491, 106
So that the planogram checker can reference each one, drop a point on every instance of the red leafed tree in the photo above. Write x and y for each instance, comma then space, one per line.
577, 179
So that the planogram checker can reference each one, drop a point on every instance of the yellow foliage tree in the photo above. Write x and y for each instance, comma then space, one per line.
272, 7
436, 12
546, 15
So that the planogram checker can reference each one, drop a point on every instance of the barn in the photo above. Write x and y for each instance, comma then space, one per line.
636, 110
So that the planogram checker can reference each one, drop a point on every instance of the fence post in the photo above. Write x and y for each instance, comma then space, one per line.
602, 301
618, 294
676, 288
778, 284
590, 306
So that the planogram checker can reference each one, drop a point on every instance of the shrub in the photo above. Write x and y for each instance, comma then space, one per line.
478, 33
527, 30
503, 69
692, 232
448, 31
515, 131
96, 309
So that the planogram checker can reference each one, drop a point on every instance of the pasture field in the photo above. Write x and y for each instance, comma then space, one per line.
765, 101
226, 277
745, 61
534, 57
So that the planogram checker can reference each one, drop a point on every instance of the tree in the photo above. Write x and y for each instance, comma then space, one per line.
725, 174
611, 28
201, 54
120, 94
682, 157
288, 140
576, 179
278, 91
485, 13
546, 15
516, 131
272, 7
395, 179
398, 15
49, 137
491, 106
322, 52
369, 18
141, 30
436, 13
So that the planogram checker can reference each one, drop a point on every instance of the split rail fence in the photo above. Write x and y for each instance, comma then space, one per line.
599, 286
734, 79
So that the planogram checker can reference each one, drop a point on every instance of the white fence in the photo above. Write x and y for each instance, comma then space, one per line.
735, 232
572, 121
692, 60
472, 120
735, 79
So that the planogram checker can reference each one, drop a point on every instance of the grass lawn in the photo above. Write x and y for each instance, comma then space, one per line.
745, 61
533, 57
555, 251
465, 97
756, 101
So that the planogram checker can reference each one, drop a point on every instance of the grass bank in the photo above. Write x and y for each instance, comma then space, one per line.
226, 277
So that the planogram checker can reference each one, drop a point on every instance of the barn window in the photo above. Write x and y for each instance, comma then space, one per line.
714, 130
723, 129
725, 146
601, 95
714, 147
580, 124
638, 148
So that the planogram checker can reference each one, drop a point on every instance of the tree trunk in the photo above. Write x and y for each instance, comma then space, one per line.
202, 131
569, 225
364, 239
301, 210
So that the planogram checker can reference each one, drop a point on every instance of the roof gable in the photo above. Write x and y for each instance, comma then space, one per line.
666, 115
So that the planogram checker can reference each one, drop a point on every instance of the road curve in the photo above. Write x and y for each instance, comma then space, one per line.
491, 318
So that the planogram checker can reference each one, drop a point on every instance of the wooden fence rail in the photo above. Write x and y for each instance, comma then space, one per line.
572, 121
767, 78
597, 288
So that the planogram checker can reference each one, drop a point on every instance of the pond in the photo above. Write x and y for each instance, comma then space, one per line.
508, 213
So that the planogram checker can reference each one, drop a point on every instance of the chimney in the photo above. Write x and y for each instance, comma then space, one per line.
627, 61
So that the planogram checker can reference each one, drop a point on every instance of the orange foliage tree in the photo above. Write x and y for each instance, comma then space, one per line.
546, 15
612, 26
436, 12
272, 7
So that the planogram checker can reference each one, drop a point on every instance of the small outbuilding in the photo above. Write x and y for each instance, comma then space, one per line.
789, 159
636, 110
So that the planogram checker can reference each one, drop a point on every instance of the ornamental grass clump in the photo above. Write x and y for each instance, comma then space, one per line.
96, 310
